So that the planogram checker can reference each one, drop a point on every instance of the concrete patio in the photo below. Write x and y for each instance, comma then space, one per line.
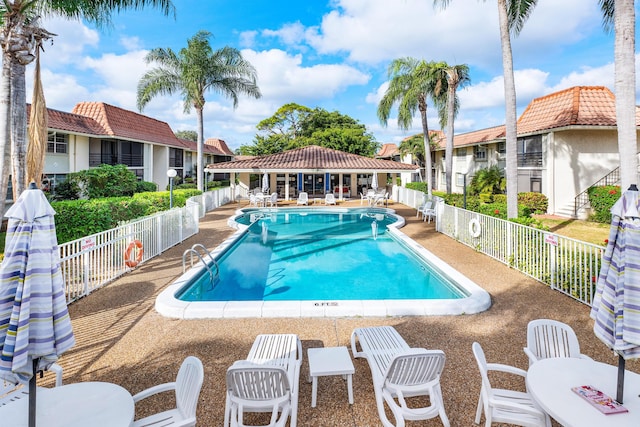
121, 339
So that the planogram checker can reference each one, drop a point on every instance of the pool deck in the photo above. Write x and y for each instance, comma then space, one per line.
123, 340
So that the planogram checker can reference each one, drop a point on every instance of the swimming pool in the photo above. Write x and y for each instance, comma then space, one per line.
321, 262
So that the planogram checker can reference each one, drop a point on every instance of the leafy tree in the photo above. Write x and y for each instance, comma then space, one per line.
192, 72
412, 82
295, 125
103, 181
512, 15
21, 35
189, 135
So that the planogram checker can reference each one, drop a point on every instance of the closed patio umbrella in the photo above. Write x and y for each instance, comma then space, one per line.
374, 181
616, 304
265, 183
35, 328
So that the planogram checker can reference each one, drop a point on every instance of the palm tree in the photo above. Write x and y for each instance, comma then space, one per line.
411, 82
192, 72
512, 15
621, 15
20, 36
452, 77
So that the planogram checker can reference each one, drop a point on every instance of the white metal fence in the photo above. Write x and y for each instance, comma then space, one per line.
567, 265
93, 261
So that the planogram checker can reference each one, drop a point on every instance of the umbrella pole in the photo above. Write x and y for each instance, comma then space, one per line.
620, 390
32, 395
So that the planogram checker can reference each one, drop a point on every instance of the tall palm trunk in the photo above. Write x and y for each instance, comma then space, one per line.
448, 152
18, 128
5, 128
200, 151
510, 113
427, 147
625, 87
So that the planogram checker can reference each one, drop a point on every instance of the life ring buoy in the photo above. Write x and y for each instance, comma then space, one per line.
474, 227
136, 248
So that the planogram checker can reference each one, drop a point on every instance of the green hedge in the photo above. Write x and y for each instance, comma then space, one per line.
601, 200
79, 218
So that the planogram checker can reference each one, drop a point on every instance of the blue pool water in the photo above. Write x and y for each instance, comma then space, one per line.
311, 255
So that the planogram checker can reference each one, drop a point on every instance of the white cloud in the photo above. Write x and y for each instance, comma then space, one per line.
72, 38
291, 34
131, 43
247, 39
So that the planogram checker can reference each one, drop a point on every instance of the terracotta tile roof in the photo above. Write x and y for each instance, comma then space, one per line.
388, 151
493, 134
312, 158
59, 120
208, 149
128, 124
219, 145
576, 106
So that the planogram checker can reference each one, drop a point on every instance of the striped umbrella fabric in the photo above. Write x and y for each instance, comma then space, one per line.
616, 304
34, 320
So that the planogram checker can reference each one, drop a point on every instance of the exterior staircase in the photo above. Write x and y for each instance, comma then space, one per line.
582, 200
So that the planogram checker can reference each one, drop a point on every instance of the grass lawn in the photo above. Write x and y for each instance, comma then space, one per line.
591, 232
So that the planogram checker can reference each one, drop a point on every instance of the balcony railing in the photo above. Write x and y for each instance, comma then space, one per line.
131, 160
532, 159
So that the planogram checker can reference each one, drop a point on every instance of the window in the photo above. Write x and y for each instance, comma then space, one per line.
57, 142
480, 152
460, 179
530, 151
502, 147
175, 158
461, 152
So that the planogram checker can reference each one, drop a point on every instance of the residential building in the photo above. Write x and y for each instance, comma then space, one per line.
567, 142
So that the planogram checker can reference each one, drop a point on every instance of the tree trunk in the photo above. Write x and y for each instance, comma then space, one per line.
625, 87
427, 150
448, 153
5, 128
200, 154
510, 113
18, 128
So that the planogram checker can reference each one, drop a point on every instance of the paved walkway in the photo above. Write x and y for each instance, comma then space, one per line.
121, 339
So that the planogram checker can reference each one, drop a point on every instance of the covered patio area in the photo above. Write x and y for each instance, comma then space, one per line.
314, 170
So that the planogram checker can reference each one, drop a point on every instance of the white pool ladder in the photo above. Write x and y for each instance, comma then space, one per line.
199, 250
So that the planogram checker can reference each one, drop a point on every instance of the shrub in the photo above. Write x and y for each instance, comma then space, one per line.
144, 186
602, 198
487, 180
536, 202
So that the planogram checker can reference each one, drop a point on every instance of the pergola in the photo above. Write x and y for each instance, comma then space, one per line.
312, 169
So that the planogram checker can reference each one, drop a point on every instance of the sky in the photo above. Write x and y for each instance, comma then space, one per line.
332, 54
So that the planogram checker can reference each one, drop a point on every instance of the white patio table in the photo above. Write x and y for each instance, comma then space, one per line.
74, 405
550, 381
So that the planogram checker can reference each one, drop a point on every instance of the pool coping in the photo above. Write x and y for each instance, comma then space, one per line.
476, 301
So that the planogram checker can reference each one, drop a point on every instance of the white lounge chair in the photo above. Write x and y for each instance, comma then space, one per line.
279, 350
10, 391
505, 406
550, 338
329, 199
399, 371
187, 389
428, 211
258, 388
303, 198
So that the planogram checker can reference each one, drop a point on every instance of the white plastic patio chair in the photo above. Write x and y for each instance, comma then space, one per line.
187, 390
329, 199
257, 388
253, 200
275, 350
399, 371
549, 338
303, 198
505, 406
273, 200
428, 211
